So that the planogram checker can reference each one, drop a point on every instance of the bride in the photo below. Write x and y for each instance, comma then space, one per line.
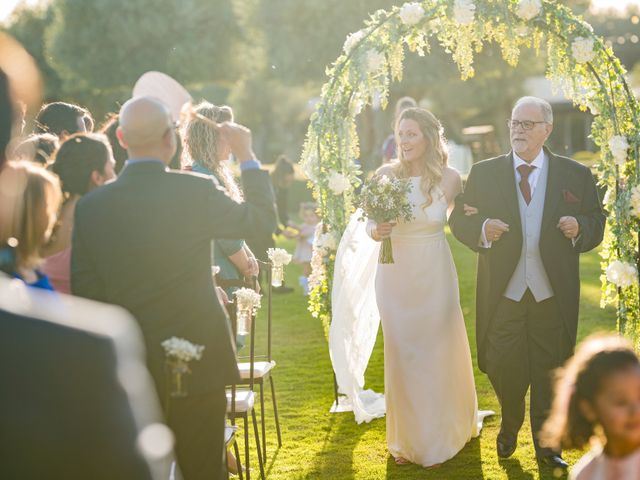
430, 393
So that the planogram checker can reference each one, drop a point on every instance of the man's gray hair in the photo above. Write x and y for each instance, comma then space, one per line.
545, 107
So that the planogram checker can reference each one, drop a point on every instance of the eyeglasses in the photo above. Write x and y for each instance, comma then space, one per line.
526, 124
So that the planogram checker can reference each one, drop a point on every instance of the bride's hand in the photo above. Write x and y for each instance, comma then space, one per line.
383, 230
469, 210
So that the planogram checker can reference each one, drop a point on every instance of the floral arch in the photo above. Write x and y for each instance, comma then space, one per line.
579, 63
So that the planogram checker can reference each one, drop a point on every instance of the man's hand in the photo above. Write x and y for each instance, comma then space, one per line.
253, 269
239, 139
494, 229
569, 227
383, 230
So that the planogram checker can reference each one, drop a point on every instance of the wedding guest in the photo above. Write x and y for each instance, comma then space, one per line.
62, 119
109, 128
29, 201
598, 400
390, 147
83, 163
205, 152
37, 147
144, 242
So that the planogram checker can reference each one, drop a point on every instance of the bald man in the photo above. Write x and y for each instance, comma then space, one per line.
144, 242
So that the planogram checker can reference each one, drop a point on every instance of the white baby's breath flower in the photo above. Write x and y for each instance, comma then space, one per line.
352, 40
182, 349
464, 11
247, 298
411, 13
619, 147
375, 60
338, 183
528, 9
279, 256
608, 196
635, 201
384, 181
582, 49
622, 274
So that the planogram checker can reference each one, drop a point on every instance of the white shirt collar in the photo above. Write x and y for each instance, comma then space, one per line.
538, 162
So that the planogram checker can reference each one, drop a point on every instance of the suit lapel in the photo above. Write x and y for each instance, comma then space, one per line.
553, 195
507, 183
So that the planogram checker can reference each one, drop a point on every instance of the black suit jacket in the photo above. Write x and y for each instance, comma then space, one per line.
74, 392
491, 187
144, 242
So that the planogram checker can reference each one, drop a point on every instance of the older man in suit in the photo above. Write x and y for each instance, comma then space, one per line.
144, 242
536, 212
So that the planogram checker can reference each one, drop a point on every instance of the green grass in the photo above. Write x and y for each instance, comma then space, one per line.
321, 445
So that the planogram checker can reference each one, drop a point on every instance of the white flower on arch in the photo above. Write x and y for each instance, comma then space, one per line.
375, 60
338, 183
464, 11
352, 40
635, 201
528, 9
619, 147
582, 49
622, 274
411, 13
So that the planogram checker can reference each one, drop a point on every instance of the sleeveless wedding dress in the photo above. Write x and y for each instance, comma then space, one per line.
432, 409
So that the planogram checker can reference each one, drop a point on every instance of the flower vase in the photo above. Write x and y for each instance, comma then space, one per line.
277, 275
177, 379
243, 321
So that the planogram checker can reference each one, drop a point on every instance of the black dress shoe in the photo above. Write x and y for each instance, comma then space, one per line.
505, 450
553, 461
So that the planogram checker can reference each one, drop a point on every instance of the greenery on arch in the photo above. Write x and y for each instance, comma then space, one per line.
579, 63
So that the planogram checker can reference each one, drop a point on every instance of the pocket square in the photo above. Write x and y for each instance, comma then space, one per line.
569, 197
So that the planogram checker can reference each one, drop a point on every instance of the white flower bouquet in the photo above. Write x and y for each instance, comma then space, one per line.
384, 199
178, 353
247, 302
279, 258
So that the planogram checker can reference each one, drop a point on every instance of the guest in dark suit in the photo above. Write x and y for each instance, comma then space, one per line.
532, 215
77, 401
144, 242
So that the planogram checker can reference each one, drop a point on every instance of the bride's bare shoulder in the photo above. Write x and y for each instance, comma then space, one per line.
387, 168
451, 182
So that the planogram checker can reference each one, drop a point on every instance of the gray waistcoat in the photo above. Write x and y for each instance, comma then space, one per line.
530, 272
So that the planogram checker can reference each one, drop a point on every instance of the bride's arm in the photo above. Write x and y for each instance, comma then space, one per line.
452, 187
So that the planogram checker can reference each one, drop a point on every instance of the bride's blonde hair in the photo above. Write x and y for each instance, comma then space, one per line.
435, 158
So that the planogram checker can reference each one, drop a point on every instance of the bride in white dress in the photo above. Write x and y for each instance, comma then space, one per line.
430, 395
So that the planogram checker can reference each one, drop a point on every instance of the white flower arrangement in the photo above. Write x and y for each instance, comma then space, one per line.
247, 299
528, 9
375, 61
635, 201
622, 274
338, 183
464, 11
411, 13
352, 40
582, 49
619, 147
279, 256
325, 242
181, 349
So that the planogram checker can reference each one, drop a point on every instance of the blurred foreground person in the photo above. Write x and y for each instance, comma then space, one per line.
29, 201
598, 401
144, 242
77, 400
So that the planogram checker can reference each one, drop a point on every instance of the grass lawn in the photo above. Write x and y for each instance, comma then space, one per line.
321, 445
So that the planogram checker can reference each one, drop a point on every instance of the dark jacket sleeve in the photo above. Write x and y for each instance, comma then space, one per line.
591, 218
85, 281
467, 229
255, 216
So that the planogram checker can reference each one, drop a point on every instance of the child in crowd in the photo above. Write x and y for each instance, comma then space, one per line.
305, 234
598, 402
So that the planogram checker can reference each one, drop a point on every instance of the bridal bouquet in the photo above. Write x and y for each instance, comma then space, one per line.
178, 353
247, 301
279, 258
385, 199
